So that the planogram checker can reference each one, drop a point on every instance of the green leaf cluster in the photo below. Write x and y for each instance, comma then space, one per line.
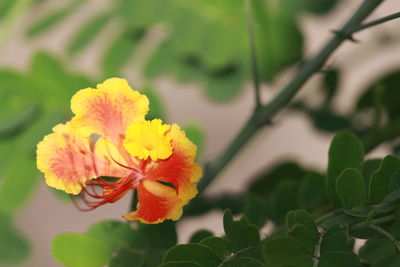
206, 41
240, 246
116, 243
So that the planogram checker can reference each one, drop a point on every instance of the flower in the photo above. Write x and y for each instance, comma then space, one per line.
108, 144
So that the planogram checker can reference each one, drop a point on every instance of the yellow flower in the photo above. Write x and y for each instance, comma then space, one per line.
131, 152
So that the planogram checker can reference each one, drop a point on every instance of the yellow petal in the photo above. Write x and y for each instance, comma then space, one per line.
109, 109
148, 139
67, 160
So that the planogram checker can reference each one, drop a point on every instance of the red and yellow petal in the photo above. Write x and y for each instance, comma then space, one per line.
109, 109
157, 203
179, 169
111, 156
67, 160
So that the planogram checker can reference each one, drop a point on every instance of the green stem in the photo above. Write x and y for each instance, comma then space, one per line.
263, 115
387, 132
234, 254
376, 22
317, 250
388, 235
254, 62
377, 221
325, 216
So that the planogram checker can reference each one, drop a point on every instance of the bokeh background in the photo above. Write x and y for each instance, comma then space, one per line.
192, 59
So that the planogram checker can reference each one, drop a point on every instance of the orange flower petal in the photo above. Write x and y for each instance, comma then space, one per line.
157, 203
179, 169
109, 109
67, 160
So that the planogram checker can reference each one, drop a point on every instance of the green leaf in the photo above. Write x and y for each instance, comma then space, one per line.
255, 210
127, 258
307, 238
75, 250
218, 245
330, 82
394, 183
369, 167
20, 107
339, 258
336, 240
197, 136
394, 230
362, 212
162, 236
20, 177
114, 233
18, 121
284, 199
5, 147
379, 252
13, 246
192, 252
153, 257
87, 33
339, 218
364, 233
5, 7
200, 235
201, 204
248, 262
51, 81
29, 138
265, 182
277, 251
225, 83
51, 20
389, 84
314, 6
312, 193
180, 264
119, 52
279, 40
380, 179
346, 151
326, 120
240, 234
350, 188
156, 106
302, 217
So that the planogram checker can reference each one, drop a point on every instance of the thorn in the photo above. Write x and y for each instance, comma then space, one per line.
345, 35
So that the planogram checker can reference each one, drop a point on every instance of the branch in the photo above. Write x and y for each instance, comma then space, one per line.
262, 116
254, 63
369, 223
376, 22
317, 250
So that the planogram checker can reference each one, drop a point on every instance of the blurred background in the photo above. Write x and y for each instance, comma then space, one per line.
192, 59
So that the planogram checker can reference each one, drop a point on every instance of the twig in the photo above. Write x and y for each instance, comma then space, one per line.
376, 22
317, 250
369, 222
263, 115
254, 62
